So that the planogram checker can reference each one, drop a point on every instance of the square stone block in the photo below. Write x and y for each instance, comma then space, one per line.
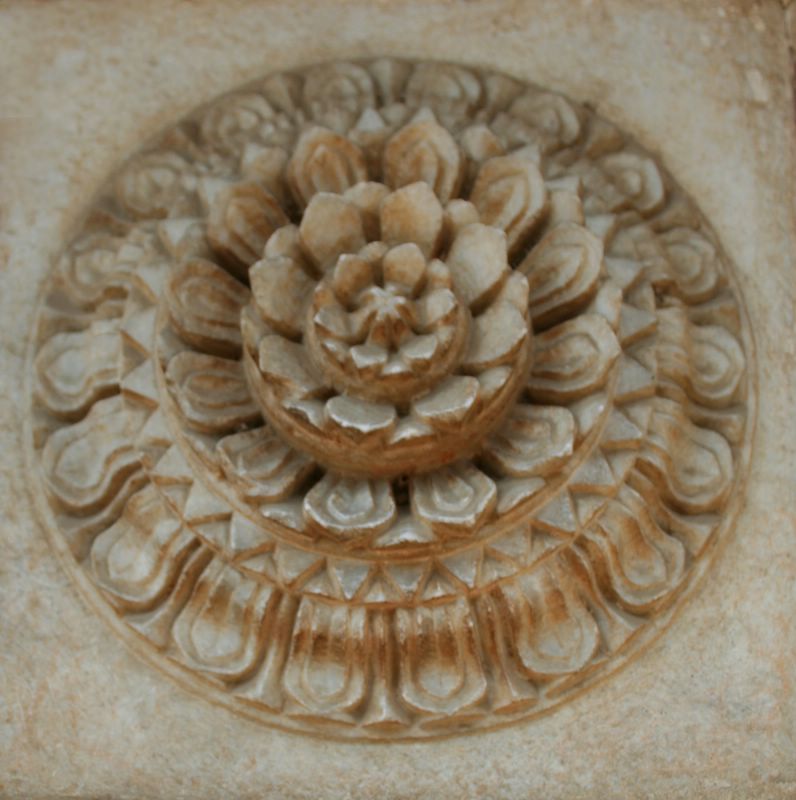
102, 696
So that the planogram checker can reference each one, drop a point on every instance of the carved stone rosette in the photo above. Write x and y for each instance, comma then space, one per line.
389, 400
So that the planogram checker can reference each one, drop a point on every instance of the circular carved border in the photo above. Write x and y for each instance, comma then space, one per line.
388, 400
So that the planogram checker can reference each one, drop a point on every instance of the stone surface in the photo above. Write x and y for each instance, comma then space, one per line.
443, 465
708, 710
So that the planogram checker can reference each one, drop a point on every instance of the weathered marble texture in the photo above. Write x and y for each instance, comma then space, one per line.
707, 711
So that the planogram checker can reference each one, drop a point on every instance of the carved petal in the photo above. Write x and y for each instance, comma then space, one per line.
440, 667
361, 419
424, 151
384, 713
458, 214
351, 275
563, 271
324, 162
236, 120
496, 337
718, 365
436, 308
75, 369
262, 465
94, 270
330, 227
534, 440
285, 242
211, 392
282, 290
478, 264
285, 364
412, 214
139, 558
240, 220
86, 464
367, 197
572, 359
510, 194
336, 94
222, 628
350, 507
447, 89
480, 143
325, 671
266, 165
156, 185
694, 262
554, 633
404, 266
637, 562
205, 304
705, 360
449, 403
551, 115
454, 500
637, 181
693, 464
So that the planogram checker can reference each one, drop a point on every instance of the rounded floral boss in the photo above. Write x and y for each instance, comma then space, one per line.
389, 330
388, 399
394, 335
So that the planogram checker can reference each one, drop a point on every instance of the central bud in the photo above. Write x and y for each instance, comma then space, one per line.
388, 334
386, 325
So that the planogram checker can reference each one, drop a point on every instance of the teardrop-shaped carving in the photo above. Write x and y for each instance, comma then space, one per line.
331, 227
635, 182
205, 305
282, 290
412, 215
326, 672
211, 392
694, 264
510, 691
158, 185
336, 94
440, 664
705, 360
497, 337
346, 507
454, 500
262, 466
323, 161
554, 632
75, 369
478, 264
510, 194
693, 465
424, 151
237, 119
139, 558
240, 220
222, 629
86, 464
563, 272
383, 713
637, 562
554, 121
533, 441
573, 359
718, 365
99, 266
449, 90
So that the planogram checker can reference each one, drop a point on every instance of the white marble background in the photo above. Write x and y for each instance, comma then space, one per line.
709, 711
